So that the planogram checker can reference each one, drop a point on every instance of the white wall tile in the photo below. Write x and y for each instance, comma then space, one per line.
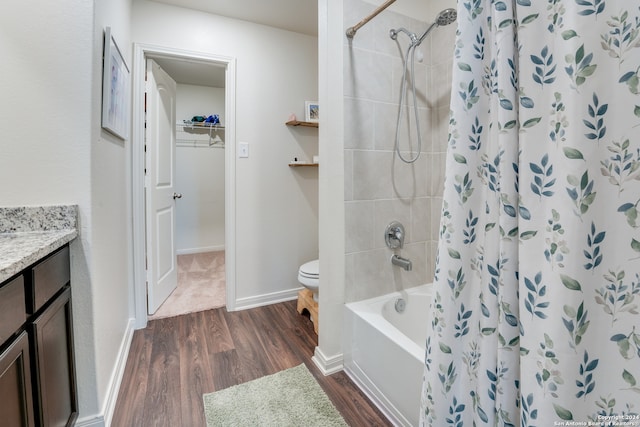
367, 75
371, 274
409, 178
348, 175
371, 175
385, 117
421, 219
409, 193
359, 123
359, 226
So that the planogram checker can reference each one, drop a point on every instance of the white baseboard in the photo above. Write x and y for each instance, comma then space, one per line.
328, 365
190, 251
266, 299
104, 419
118, 373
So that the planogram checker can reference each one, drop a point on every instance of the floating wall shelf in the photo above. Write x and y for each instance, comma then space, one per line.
301, 164
305, 124
300, 123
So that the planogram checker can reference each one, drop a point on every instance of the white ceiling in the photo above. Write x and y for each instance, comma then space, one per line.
193, 72
300, 16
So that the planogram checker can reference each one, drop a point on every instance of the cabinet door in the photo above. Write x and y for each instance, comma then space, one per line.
52, 332
16, 404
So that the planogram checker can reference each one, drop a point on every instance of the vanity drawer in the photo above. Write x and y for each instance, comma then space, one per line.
49, 276
12, 307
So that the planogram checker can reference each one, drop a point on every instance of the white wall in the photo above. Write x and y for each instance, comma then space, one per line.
199, 174
276, 222
49, 162
54, 152
112, 291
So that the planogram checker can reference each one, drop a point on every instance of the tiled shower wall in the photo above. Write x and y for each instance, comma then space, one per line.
380, 188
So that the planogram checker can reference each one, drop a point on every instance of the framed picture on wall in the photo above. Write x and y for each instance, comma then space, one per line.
311, 111
115, 88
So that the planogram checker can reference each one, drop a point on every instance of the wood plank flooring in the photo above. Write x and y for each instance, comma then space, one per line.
175, 360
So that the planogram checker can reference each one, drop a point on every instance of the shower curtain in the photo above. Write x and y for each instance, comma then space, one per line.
535, 319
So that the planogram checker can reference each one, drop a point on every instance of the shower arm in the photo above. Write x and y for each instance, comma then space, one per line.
351, 31
426, 33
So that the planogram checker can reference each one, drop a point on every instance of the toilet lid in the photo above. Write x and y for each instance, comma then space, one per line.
311, 269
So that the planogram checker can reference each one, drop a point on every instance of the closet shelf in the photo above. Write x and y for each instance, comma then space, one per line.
301, 123
199, 127
203, 135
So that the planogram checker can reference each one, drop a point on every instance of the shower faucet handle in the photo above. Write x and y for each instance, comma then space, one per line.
394, 235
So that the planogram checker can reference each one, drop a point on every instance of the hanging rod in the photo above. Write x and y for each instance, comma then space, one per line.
351, 31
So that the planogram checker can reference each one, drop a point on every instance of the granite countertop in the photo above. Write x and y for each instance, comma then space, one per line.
31, 233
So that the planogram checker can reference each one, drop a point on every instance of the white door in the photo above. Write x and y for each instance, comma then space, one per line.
162, 275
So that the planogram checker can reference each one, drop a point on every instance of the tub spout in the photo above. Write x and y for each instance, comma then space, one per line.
402, 262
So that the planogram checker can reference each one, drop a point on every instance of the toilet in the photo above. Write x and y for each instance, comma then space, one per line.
309, 277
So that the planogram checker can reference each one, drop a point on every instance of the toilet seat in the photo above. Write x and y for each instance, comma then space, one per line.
310, 270
309, 277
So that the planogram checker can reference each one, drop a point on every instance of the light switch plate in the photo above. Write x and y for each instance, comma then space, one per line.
243, 150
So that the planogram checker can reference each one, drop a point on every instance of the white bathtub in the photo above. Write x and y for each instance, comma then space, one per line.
384, 351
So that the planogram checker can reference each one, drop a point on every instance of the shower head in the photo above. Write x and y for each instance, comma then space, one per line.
446, 17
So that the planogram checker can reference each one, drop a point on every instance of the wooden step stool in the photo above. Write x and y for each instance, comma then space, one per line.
305, 301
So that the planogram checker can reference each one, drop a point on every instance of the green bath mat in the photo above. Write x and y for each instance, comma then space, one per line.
288, 398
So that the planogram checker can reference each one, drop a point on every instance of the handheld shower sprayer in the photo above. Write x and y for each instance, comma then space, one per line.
445, 17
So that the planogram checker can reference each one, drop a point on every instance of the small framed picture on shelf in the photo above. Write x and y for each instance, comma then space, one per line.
311, 111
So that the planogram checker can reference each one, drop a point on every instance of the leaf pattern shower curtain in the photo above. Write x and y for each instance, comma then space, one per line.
535, 318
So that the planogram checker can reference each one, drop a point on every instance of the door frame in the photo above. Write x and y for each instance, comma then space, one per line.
141, 52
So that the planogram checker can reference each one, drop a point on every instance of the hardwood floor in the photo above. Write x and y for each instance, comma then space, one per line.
175, 360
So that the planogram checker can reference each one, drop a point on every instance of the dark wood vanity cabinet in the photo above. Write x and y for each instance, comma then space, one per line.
16, 394
53, 343
37, 366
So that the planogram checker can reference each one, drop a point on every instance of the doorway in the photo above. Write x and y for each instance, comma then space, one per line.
167, 57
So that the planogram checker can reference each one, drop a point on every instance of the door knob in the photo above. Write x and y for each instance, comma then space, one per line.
177, 196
